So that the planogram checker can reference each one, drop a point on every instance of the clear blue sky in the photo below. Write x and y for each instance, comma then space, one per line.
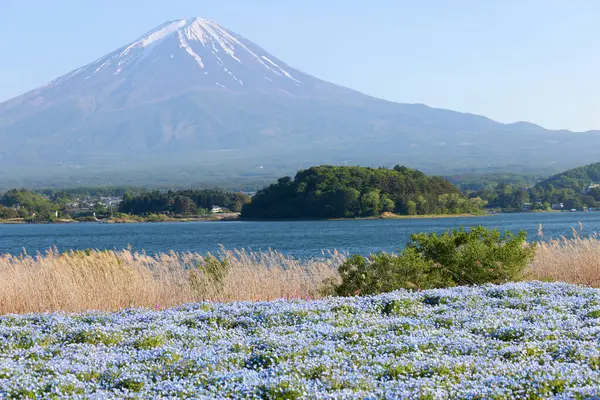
510, 60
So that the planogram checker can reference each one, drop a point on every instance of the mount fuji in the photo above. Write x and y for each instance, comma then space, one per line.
193, 94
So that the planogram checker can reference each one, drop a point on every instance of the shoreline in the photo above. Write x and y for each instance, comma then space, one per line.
389, 216
142, 220
232, 218
432, 216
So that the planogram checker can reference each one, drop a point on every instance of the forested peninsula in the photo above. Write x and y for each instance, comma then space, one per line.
327, 191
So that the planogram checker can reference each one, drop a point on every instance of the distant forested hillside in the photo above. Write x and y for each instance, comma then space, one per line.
348, 192
577, 178
469, 182
570, 188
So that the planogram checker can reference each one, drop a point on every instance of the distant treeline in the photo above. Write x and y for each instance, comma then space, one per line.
348, 192
181, 202
31, 206
570, 188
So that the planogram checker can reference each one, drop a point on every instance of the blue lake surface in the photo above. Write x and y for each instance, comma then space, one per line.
303, 239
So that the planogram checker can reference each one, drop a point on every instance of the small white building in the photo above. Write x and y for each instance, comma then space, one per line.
216, 209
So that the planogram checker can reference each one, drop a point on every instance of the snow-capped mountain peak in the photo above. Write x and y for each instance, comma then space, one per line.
208, 53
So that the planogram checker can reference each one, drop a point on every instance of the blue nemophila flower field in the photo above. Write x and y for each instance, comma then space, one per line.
522, 340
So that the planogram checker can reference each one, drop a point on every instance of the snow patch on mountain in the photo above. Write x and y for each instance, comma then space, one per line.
204, 31
184, 44
278, 67
162, 33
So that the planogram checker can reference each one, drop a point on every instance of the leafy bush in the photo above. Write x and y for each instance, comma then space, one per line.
477, 256
457, 257
384, 272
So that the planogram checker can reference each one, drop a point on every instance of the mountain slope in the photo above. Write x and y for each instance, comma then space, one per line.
192, 94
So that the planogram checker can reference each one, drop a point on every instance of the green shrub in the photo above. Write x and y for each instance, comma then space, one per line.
457, 257
384, 272
477, 256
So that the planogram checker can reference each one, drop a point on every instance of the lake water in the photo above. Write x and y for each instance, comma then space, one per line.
302, 239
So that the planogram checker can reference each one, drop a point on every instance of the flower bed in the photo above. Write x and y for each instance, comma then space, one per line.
522, 340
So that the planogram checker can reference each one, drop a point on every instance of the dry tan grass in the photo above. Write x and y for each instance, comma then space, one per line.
111, 280
574, 260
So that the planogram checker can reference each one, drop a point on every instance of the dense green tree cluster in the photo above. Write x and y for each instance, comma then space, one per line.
181, 202
346, 192
28, 205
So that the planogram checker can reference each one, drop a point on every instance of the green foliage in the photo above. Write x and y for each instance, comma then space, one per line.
576, 178
384, 272
150, 342
370, 203
69, 195
457, 257
569, 188
473, 182
411, 208
477, 256
593, 314
347, 192
8, 212
96, 337
30, 205
131, 385
181, 202
387, 204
